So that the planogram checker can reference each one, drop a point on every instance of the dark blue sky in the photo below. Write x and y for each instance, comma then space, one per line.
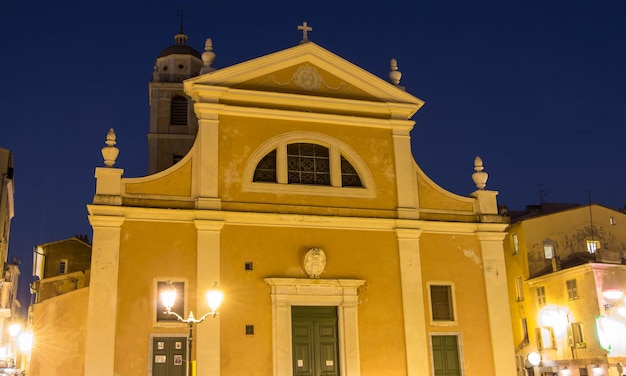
536, 88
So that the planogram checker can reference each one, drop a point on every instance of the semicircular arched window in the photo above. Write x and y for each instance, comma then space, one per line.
308, 163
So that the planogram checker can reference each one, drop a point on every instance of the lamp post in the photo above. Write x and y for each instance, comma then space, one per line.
214, 298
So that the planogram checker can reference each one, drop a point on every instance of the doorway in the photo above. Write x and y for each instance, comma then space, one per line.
315, 341
168, 356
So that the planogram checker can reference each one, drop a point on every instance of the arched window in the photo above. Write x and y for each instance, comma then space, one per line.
266, 169
178, 111
308, 163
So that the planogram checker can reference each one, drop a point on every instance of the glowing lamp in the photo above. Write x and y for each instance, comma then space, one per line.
168, 297
26, 342
214, 298
612, 294
534, 358
14, 329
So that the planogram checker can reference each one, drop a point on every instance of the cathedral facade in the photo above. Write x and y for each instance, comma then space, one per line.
288, 182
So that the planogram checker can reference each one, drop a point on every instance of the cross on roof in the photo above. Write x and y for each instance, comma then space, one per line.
305, 28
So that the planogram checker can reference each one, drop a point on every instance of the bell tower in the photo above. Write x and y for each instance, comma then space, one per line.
173, 124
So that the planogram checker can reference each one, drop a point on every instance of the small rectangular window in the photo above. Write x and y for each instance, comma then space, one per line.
515, 244
519, 289
545, 338
548, 250
541, 296
525, 331
575, 336
611, 220
441, 303
62, 266
593, 246
572, 290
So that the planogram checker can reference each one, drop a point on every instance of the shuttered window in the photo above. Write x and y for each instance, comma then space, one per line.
178, 111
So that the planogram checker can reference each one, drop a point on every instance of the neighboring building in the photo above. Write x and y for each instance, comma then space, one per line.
58, 316
60, 267
6, 202
301, 199
9, 304
566, 277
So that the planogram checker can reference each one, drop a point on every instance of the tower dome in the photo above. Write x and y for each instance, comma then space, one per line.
180, 47
178, 62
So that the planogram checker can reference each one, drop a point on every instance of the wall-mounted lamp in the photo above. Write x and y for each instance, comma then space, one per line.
534, 358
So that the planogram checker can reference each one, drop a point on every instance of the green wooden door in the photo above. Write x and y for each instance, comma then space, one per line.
446, 355
314, 338
168, 356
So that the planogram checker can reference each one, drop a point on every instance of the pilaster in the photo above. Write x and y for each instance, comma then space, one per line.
102, 306
415, 335
406, 176
494, 272
207, 341
206, 164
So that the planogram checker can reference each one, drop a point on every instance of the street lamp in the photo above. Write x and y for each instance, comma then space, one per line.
214, 298
14, 330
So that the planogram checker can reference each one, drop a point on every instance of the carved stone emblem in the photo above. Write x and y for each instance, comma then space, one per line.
307, 78
314, 262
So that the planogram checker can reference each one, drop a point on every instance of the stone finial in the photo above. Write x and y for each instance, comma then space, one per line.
480, 177
208, 56
395, 74
110, 152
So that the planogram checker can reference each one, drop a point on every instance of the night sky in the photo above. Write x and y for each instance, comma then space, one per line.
536, 88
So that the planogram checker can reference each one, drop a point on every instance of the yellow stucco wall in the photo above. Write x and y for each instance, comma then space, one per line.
176, 183
168, 250
240, 137
431, 196
457, 259
59, 335
279, 252
149, 251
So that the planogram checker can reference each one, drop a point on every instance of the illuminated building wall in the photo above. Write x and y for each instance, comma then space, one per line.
560, 268
299, 152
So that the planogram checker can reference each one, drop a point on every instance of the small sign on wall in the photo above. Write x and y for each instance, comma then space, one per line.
178, 360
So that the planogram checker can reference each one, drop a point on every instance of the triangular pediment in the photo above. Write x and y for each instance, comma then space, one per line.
306, 69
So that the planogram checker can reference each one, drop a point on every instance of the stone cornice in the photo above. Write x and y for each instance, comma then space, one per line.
491, 236
487, 231
210, 109
106, 220
254, 98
